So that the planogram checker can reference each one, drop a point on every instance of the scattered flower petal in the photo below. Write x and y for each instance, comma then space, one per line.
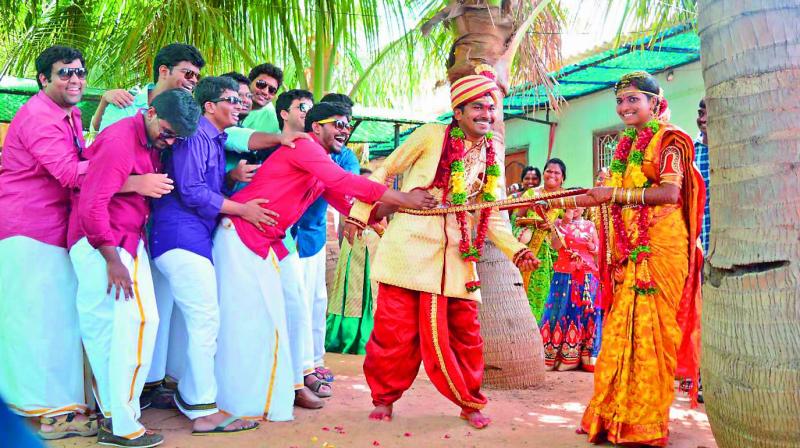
408, 434
376, 443
325, 428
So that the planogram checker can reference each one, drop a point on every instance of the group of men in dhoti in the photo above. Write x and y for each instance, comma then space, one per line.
162, 249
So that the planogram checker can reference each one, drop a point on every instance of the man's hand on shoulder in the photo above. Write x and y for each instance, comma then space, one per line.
288, 137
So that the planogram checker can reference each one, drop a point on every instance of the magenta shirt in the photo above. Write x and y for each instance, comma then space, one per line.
101, 214
41, 167
291, 179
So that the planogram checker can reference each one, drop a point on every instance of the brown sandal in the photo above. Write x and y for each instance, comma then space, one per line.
66, 426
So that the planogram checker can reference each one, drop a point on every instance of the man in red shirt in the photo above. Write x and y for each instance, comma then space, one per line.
115, 299
251, 299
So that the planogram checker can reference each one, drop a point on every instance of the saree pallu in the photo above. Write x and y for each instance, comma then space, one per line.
648, 338
352, 298
571, 325
537, 283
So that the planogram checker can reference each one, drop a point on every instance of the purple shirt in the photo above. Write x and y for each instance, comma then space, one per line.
41, 166
104, 216
185, 219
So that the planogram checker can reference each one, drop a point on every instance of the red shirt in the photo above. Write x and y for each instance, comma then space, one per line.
104, 216
291, 179
40, 168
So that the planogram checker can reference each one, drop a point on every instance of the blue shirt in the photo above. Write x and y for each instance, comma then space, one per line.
186, 218
701, 160
309, 232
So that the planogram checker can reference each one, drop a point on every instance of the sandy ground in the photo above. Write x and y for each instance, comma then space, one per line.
544, 417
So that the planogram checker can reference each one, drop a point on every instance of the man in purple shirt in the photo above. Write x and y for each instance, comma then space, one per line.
106, 240
41, 361
180, 244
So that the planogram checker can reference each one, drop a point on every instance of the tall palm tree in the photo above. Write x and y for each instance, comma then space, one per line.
751, 321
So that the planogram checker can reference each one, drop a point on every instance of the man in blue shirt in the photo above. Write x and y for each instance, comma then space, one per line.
310, 235
180, 243
701, 159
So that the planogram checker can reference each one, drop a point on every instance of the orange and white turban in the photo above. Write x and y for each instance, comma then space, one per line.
472, 87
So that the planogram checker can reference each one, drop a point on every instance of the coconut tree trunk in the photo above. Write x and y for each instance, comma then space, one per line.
513, 350
751, 311
484, 34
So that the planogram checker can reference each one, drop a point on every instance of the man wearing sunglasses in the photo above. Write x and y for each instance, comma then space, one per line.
115, 300
265, 80
292, 107
42, 358
310, 232
251, 295
176, 66
181, 244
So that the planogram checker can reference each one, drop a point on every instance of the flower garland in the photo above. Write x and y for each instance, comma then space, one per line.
471, 250
627, 162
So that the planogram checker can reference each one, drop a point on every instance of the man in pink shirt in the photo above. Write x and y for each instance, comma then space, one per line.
252, 308
115, 298
41, 357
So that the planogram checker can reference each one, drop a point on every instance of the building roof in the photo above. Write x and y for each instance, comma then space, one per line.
600, 70
672, 48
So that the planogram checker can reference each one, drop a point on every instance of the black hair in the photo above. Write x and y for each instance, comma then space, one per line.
702, 104
53, 54
338, 98
174, 54
285, 100
179, 109
527, 170
270, 70
363, 171
211, 88
560, 164
323, 110
238, 77
641, 80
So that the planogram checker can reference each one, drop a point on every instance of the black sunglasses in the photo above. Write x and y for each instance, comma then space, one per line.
189, 74
230, 99
302, 107
65, 73
340, 125
262, 84
167, 134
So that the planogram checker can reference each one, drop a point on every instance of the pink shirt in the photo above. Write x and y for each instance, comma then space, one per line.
104, 216
41, 165
291, 179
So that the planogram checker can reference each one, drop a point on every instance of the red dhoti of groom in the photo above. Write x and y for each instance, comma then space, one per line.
413, 327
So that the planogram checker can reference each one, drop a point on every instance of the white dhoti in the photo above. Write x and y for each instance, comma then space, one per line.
254, 363
298, 318
41, 360
164, 302
317, 297
193, 286
118, 334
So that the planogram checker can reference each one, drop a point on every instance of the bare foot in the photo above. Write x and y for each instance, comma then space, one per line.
305, 398
476, 419
382, 413
209, 422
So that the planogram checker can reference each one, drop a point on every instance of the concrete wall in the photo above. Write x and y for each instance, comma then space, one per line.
580, 118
